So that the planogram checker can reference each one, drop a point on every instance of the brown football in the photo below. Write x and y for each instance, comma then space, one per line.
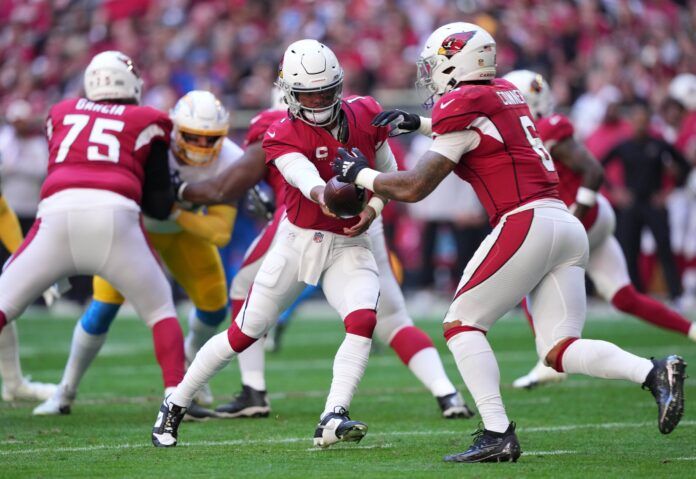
345, 200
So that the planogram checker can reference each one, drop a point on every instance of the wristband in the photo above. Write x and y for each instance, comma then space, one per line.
426, 126
586, 196
366, 178
180, 191
377, 204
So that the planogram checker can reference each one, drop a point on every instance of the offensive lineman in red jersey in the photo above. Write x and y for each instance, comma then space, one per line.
394, 325
107, 157
483, 131
315, 245
580, 179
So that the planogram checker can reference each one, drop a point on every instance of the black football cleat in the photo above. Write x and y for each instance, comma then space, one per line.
453, 406
248, 403
196, 412
166, 428
666, 383
336, 427
490, 446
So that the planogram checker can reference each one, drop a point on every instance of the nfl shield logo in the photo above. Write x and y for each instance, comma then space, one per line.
318, 237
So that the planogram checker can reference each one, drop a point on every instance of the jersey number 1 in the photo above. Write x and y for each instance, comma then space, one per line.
97, 136
536, 143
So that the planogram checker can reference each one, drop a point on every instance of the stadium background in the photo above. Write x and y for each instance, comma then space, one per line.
594, 53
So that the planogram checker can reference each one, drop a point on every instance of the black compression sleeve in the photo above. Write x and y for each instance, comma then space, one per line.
158, 197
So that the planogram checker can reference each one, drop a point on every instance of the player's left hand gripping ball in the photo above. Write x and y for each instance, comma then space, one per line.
348, 165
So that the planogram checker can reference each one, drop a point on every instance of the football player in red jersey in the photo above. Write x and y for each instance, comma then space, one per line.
484, 132
313, 245
107, 159
394, 325
580, 177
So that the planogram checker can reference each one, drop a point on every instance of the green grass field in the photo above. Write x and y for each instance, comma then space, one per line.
580, 428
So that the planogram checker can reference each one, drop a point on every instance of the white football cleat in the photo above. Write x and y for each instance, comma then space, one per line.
28, 390
59, 403
336, 427
540, 374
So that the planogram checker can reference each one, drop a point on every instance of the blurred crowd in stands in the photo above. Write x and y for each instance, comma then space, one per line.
600, 57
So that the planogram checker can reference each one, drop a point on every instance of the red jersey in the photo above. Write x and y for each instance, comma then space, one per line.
552, 130
101, 145
292, 135
510, 166
257, 129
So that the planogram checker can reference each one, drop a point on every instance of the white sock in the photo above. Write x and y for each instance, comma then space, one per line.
479, 369
83, 349
692, 332
602, 359
10, 368
198, 334
427, 367
348, 369
252, 364
212, 357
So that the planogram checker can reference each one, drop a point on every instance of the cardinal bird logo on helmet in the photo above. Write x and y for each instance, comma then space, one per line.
454, 43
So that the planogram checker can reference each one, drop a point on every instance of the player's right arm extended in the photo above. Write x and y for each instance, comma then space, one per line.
230, 185
10, 231
575, 156
158, 198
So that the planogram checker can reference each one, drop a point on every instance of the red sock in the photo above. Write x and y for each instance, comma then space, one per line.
409, 341
527, 314
236, 307
630, 301
169, 350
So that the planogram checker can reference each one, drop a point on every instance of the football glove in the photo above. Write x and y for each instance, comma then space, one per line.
347, 165
399, 121
259, 204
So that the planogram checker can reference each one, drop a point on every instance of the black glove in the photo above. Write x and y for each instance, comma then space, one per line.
348, 165
177, 183
400, 121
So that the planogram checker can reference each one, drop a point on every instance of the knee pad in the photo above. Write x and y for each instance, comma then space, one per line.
99, 317
212, 318
361, 322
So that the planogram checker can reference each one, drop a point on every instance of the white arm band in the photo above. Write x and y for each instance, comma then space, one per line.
454, 145
586, 197
426, 126
366, 178
299, 172
384, 159
377, 204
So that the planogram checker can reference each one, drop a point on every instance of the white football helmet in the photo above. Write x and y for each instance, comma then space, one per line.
454, 53
536, 91
200, 127
112, 75
309, 66
683, 89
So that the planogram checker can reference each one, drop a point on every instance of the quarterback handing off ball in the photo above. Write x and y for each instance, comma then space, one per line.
344, 199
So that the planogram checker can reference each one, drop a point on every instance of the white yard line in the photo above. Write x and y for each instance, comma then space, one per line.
290, 440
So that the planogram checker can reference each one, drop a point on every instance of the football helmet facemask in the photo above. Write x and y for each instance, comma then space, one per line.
200, 127
311, 67
454, 53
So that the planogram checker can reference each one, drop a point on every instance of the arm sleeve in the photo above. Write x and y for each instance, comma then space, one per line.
158, 197
10, 231
384, 159
455, 144
299, 172
215, 226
